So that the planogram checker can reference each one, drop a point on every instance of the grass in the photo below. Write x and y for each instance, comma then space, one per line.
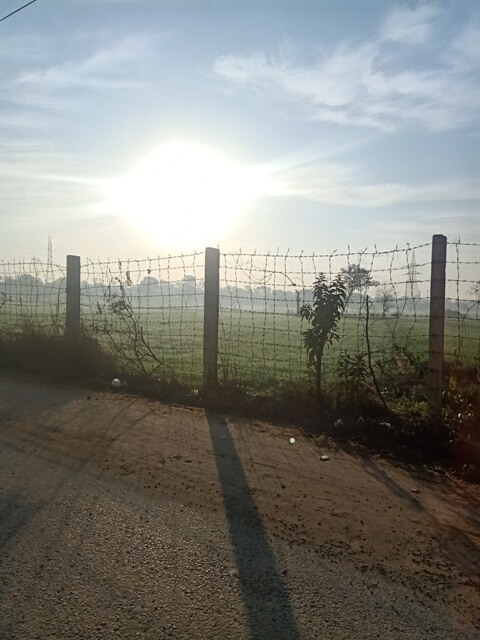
262, 351
266, 350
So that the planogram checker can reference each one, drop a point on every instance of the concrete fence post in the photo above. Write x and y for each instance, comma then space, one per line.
210, 317
436, 326
72, 325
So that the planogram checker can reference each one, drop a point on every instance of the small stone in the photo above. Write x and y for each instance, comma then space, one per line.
292, 440
415, 490
324, 458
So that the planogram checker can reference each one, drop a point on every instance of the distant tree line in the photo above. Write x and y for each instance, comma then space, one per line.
385, 298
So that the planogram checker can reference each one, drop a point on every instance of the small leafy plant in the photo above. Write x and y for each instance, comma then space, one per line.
352, 372
323, 316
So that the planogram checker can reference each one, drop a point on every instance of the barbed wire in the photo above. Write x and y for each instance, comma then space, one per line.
261, 328
30, 300
148, 313
462, 309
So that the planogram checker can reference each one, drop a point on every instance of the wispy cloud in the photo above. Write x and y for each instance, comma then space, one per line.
372, 84
464, 51
106, 68
340, 184
409, 25
20, 49
424, 224
35, 90
37, 95
24, 120
29, 167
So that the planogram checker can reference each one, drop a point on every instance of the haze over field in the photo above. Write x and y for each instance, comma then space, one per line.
137, 128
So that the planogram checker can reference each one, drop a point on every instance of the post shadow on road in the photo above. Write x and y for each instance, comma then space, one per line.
264, 590
15, 514
379, 474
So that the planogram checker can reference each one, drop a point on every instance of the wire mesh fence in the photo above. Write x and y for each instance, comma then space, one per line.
32, 297
261, 327
462, 303
149, 313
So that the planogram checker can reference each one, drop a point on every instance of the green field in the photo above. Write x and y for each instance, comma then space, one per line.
261, 350
267, 350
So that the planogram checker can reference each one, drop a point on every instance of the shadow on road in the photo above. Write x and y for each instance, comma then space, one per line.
264, 591
379, 474
14, 516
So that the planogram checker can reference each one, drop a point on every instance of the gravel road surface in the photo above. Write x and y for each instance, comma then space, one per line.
126, 518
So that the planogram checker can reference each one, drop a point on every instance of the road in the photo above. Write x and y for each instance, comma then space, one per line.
122, 517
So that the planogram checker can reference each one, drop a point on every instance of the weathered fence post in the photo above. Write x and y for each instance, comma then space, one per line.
72, 325
436, 326
210, 316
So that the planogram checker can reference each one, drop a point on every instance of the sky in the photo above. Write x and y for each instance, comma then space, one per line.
135, 128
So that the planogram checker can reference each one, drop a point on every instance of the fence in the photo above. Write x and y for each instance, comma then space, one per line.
208, 317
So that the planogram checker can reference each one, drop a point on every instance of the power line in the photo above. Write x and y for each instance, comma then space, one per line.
17, 10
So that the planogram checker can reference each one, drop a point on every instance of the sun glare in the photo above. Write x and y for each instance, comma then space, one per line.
185, 193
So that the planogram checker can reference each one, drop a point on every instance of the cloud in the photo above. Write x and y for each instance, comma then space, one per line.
388, 194
425, 224
327, 90
107, 68
16, 120
15, 48
28, 169
335, 184
464, 51
373, 84
37, 93
409, 25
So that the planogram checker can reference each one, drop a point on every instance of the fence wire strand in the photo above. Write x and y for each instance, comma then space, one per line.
148, 313
261, 295
32, 297
462, 303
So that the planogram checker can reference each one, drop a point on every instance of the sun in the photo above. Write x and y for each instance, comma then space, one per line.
185, 194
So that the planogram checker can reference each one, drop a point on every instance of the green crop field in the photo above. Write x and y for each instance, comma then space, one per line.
261, 350
266, 350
